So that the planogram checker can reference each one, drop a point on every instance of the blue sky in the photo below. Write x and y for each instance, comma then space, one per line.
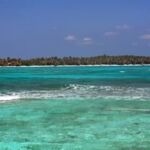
35, 28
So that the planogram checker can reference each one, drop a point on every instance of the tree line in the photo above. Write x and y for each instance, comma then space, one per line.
97, 60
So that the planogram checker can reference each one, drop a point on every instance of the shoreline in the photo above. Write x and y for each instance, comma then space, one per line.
103, 65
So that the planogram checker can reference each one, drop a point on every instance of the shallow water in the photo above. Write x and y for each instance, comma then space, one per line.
81, 108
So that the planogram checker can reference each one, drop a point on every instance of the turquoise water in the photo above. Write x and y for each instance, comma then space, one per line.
75, 108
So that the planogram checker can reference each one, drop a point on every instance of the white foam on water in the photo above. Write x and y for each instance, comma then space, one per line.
77, 91
9, 97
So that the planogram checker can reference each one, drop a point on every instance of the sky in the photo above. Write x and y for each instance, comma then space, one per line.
43, 28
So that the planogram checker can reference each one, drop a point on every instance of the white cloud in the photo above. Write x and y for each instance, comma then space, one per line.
70, 38
87, 41
145, 37
83, 41
123, 27
111, 34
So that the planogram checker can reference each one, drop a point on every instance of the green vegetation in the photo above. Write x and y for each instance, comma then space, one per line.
97, 60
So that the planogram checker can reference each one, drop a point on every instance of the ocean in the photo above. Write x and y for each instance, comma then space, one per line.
75, 108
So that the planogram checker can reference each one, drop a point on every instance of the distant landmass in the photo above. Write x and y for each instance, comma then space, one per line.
96, 60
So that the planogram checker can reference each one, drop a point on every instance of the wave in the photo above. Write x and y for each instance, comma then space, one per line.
77, 91
9, 97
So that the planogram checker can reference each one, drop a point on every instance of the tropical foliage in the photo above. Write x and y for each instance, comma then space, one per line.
97, 60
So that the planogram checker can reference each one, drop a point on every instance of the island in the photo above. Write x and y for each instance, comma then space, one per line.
95, 60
